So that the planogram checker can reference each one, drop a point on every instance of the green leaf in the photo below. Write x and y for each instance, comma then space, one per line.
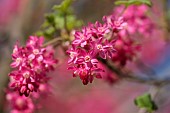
147, 2
121, 2
54, 21
72, 22
133, 2
146, 102
63, 6
50, 18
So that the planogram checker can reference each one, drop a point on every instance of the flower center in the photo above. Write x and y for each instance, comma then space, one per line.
31, 42
82, 37
100, 29
87, 59
26, 75
18, 60
72, 54
99, 46
35, 51
117, 23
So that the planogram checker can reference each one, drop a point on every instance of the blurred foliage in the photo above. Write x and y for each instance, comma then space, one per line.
61, 18
64, 6
133, 2
145, 101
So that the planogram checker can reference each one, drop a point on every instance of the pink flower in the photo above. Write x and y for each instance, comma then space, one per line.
81, 38
73, 53
116, 24
87, 59
86, 74
126, 50
100, 29
109, 48
98, 48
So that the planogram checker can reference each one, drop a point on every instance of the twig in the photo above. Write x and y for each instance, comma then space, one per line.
165, 20
144, 68
65, 23
52, 42
131, 77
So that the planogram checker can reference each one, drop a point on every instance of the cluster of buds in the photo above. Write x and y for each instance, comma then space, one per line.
93, 42
31, 64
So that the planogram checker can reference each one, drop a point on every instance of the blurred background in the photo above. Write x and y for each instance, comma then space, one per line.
21, 18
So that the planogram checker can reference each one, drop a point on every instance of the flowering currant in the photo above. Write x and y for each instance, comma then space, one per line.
93, 42
31, 64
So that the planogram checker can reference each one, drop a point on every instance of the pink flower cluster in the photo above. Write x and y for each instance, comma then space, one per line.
31, 64
115, 38
126, 50
93, 42
137, 19
139, 25
20, 104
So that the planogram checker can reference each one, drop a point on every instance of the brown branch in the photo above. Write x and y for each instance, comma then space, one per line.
145, 68
130, 77
53, 41
166, 20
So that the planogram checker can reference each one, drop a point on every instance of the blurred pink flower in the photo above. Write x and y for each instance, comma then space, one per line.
20, 104
8, 8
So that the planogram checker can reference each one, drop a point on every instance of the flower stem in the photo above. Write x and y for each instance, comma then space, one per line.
53, 42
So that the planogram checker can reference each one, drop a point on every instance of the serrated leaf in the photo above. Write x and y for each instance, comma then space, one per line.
146, 102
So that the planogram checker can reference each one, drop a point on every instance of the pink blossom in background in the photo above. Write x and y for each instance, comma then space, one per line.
137, 19
126, 50
19, 104
153, 49
7, 9
94, 101
108, 76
